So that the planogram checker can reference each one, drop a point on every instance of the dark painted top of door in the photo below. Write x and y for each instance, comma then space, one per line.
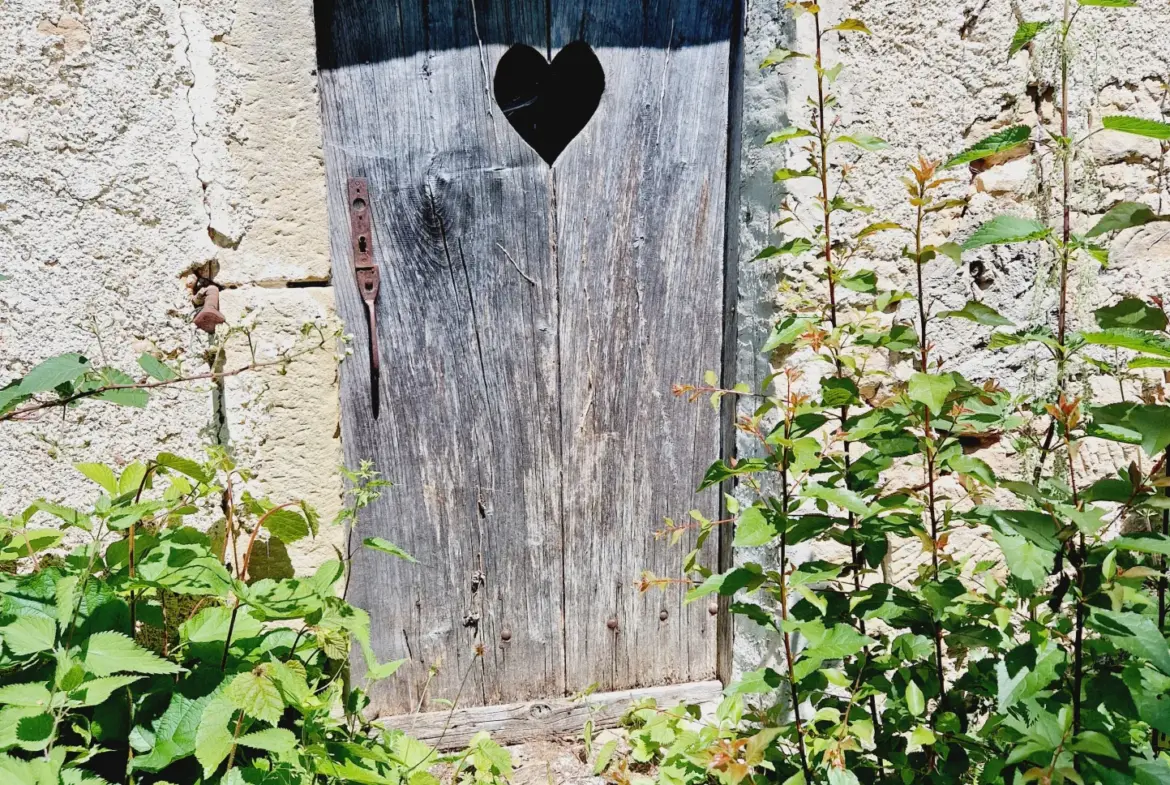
532, 321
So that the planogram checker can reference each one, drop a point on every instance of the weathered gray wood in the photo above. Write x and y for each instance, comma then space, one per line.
468, 430
532, 323
520, 722
640, 198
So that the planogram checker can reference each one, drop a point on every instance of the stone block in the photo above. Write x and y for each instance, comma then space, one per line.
284, 424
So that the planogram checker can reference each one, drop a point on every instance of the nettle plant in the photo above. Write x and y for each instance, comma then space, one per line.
1048, 663
155, 652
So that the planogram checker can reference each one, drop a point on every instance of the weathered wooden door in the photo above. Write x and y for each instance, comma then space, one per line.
532, 321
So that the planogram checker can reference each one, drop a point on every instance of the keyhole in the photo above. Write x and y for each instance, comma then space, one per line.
362, 243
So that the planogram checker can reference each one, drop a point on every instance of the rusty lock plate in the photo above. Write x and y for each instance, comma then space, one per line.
365, 270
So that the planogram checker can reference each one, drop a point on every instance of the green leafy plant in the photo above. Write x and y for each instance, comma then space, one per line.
1048, 663
152, 652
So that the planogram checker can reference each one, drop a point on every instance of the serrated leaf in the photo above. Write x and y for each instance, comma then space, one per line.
32, 696
863, 140
385, 546
26, 541
1143, 542
794, 247
107, 653
1137, 126
753, 529
174, 734
1137, 340
1006, 229
787, 135
286, 525
1126, 215
97, 691
29, 635
184, 466
1131, 313
112, 377
864, 281
778, 56
257, 696
1024, 35
931, 390
156, 368
276, 740
841, 497
54, 372
783, 175
213, 740
1133, 633
998, 142
786, 333
851, 25
979, 313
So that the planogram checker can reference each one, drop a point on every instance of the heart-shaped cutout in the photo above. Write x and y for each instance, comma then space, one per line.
549, 103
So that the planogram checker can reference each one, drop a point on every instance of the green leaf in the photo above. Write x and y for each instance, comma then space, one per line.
880, 226
97, 691
276, 740
999, 142
184, 466
286, 525
1126, 215
1094, 743
721, 470
863, 140
29, 635
841, 497
778, 56
783, 175
1109, 3
106, 653
33, 732
931, 390
156, 368
385, 546
1024, 35
786, 333
1131, 313
1133, 633
787, 135
110, 377
210, 625
1137, 340
213, 740
174, 734
851, 25
979, 313
1006, 229
1027, 562
101, 474
257, 696
25, 541
749, 577
972, 467
1137, 126
838, 391
753, 529
53, 372
32, 696
1143, 542
864, 281
915, 700
794, 247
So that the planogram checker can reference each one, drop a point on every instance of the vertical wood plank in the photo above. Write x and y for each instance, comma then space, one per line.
640, 200
469, 428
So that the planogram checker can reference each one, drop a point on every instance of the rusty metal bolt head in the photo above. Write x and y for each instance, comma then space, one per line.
506, 635
713, 608
209, 316
662, 614
612, 623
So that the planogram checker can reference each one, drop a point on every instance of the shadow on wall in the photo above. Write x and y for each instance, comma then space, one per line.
353, 32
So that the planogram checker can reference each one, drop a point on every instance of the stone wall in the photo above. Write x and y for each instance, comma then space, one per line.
141, 142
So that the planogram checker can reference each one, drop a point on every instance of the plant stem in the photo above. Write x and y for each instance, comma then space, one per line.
789, 660
1163, 581
928, 435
